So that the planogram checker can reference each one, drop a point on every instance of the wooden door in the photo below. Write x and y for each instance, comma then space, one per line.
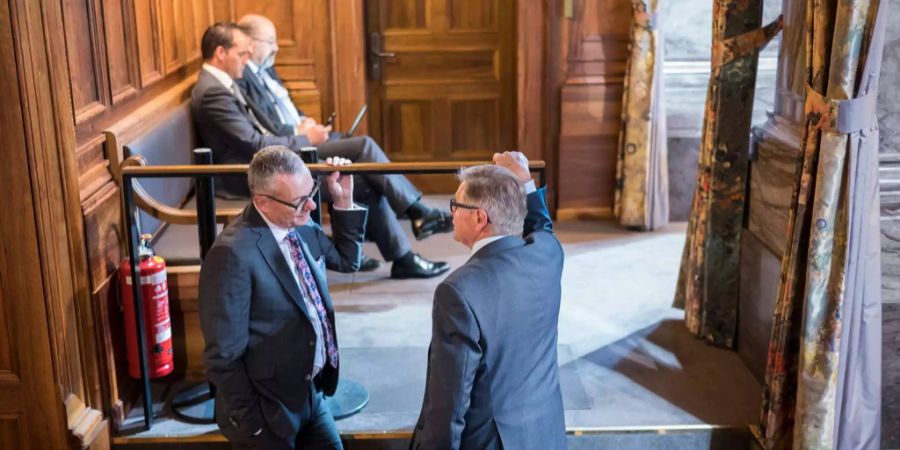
443, 87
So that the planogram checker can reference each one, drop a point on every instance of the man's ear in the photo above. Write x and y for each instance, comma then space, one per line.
220, 53
258, 201
482, 218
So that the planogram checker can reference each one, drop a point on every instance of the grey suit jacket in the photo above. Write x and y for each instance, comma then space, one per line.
224, 125
493, 375
260, 342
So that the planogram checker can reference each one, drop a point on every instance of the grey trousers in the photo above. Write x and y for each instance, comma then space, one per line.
386, 196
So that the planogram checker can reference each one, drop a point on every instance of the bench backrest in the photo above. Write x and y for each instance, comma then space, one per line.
170, 141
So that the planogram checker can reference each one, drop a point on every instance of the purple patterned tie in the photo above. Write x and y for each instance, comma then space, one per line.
306, 275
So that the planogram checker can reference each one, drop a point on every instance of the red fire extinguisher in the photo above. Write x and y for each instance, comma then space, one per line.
157, 323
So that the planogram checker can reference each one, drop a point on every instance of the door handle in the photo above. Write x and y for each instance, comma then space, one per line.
376, 53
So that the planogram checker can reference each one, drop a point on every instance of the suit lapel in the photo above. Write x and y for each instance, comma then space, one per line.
274, 258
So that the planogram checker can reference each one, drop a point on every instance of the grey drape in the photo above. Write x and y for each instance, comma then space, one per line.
858, 409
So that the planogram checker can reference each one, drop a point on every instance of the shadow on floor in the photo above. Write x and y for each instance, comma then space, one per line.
677, 373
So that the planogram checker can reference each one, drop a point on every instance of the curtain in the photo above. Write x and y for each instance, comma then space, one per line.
823, 374
708, 282
642, 179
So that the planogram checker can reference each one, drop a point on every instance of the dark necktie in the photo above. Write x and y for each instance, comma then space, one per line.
236, 90
307, 278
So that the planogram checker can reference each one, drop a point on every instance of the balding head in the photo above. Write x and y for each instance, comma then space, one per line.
262, 32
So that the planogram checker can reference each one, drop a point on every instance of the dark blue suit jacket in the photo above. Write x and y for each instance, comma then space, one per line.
493, 374
260, 342
256, 93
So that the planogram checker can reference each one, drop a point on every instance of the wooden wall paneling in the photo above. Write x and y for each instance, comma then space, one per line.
121, 50
89, 154
103, 232
86, 57
185, 311
147, 31
540, 58
170, 32
472, 14
37, 119
102, 214
312, 22
348, 70
11, 431
197, 16
587, 148
475, 126
222, 10
93, 168
594, 45
117, 388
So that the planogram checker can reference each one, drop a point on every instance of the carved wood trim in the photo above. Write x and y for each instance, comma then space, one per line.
52, 282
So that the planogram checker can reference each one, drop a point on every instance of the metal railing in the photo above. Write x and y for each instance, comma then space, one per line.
203, 172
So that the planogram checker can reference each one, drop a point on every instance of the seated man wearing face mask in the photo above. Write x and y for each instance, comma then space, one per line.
396, 196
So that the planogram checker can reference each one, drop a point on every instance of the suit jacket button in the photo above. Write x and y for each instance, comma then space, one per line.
312, 343
308, 377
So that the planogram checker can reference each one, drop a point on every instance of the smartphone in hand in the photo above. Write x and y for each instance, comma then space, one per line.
330, 119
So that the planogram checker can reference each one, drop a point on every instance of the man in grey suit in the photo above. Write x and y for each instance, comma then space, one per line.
493, 375
265, 311
236, 128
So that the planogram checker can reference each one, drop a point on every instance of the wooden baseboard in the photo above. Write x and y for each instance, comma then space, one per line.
585, 213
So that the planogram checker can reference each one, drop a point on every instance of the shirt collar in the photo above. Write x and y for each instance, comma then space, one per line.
253, 67
481, 243
220, 75
278, 232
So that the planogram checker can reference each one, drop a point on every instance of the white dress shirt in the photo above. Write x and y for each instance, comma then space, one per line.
220, 75
280, 235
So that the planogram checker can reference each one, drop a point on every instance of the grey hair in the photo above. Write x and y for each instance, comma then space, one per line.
496, 190
270, 161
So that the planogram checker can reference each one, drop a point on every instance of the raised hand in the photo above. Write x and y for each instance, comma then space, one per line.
340, 186
515, 162
315, 133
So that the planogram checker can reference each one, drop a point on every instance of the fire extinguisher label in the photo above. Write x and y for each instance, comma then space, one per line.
164, 335
156, 278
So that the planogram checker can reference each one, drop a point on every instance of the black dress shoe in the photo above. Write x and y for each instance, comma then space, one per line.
369, 264
436, 221
418, 267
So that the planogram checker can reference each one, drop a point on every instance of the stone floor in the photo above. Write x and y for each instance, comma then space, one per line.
626, 359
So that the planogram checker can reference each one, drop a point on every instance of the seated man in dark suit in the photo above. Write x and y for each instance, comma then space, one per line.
236, 129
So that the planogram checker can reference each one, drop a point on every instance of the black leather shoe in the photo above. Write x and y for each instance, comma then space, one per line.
419, 267
369, 264
436, 221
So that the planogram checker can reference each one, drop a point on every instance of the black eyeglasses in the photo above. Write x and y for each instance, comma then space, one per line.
454, 205
311, 196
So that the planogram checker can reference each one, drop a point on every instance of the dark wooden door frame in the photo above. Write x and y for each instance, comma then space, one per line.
538, 75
